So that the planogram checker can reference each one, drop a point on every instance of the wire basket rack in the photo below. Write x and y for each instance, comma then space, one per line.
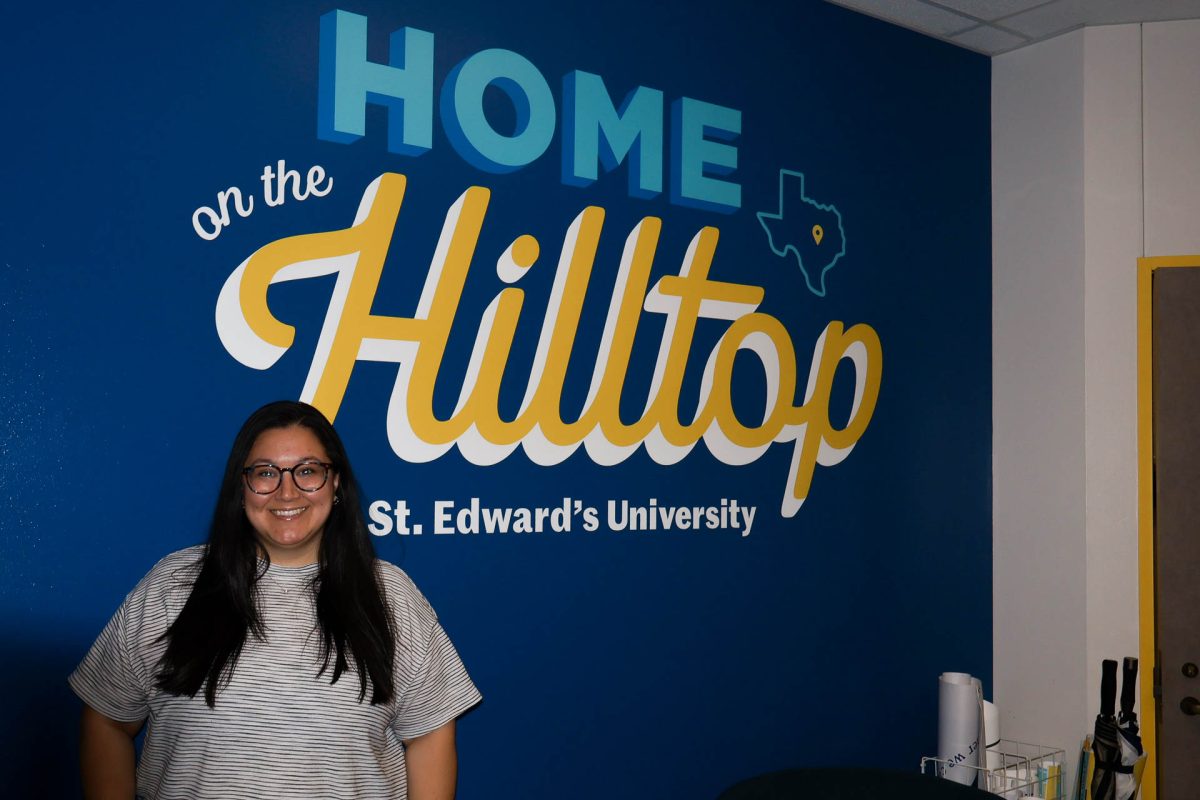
1011, 769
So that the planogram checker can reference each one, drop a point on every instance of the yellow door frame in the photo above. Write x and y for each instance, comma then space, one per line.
1145, 432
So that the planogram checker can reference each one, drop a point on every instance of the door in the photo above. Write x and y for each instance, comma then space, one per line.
1176, 418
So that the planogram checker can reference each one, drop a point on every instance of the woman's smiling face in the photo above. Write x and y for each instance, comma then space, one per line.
289, 522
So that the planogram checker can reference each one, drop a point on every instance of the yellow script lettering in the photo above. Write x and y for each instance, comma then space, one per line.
417, 345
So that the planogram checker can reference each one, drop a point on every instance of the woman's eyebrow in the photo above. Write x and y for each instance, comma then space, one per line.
270, 463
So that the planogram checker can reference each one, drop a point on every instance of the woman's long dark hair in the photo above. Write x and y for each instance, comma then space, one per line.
204, 642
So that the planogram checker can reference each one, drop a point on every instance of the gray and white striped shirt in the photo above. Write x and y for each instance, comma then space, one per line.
278, 730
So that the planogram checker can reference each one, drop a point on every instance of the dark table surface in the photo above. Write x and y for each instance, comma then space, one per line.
850, 783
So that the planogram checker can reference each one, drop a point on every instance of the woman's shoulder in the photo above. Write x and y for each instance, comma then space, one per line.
402, 594
181, 563
159, 596
175, 572
395, 580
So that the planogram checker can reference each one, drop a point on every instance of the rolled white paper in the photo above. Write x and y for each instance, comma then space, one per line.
991, 734
959, 721
980, 760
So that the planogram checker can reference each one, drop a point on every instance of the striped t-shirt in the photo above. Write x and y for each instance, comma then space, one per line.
278, 730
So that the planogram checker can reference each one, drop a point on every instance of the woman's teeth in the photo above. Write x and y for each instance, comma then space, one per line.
287, 513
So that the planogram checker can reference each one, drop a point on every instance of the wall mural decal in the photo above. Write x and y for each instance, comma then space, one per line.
683, 473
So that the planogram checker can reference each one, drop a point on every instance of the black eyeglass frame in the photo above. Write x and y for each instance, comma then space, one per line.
292, 469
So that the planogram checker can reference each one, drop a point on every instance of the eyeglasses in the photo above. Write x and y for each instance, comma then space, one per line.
309, 476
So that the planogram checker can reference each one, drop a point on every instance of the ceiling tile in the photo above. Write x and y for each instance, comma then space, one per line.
989, 10
1016, 22
989, 40
915, 15
1057, 17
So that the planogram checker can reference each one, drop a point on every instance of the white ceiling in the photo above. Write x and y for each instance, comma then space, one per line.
992, 27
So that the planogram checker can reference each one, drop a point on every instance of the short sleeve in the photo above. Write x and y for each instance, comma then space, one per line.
107, 679
117, 676
432, 684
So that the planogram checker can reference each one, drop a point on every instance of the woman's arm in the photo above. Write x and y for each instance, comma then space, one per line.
106, 756
432, 764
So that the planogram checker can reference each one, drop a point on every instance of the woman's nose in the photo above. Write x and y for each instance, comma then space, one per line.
287, 485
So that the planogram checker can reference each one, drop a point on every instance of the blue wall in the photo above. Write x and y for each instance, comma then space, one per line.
613, 663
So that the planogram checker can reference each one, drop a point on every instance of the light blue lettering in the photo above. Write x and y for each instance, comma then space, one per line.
347, 82
467, 125
696, 157
594, 132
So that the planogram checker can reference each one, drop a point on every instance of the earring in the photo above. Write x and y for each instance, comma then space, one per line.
337, 499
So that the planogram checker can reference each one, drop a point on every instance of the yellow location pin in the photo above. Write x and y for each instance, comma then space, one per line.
818, 233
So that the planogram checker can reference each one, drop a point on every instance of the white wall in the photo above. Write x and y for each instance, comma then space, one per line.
1172, 125
1112, 244
1040, 596
1096, 161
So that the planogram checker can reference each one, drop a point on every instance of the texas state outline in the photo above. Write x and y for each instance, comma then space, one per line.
799, 231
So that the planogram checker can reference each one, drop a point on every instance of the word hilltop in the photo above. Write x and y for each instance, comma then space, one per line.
417, 344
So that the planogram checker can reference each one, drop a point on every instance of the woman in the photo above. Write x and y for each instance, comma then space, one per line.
279, 660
